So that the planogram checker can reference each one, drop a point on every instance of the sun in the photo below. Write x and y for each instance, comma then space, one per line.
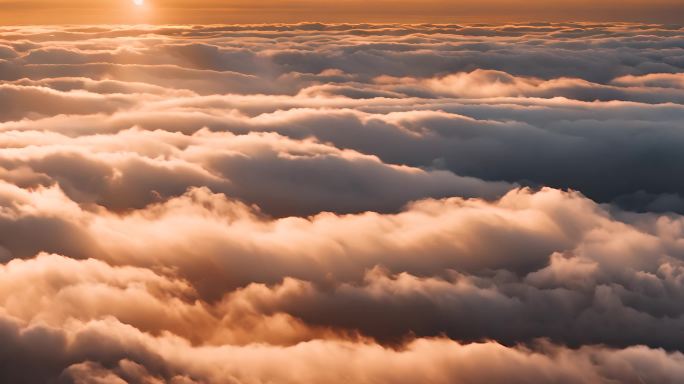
139, 2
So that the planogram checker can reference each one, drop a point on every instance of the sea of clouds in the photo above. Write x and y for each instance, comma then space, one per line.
342, 204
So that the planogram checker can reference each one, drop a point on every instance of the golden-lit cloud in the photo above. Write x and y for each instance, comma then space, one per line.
326, 203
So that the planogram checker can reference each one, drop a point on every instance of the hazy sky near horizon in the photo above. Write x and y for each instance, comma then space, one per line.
287, 11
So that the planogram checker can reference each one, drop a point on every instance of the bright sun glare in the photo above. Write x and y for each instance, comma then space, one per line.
139, 2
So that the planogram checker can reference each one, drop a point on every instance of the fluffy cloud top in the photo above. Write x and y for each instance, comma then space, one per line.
342, 203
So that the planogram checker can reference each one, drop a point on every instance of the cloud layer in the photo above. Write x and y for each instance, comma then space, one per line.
342, 203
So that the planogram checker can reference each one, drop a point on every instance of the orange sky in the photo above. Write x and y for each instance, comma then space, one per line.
265, 11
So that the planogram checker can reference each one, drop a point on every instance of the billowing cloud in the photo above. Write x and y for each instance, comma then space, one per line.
342, 203
531, 105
